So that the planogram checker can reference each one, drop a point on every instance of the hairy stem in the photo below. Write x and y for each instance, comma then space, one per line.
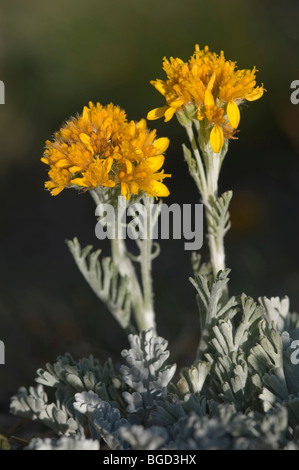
208, 176
126, 268
146, 247
200, 167
142, 299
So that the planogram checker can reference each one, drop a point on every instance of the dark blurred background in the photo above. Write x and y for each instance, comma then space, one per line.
55, 57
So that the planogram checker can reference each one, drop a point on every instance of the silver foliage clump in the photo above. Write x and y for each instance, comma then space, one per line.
63, 443
242, 392
62, 381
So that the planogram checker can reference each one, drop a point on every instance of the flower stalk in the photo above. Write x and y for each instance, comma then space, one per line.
141, 297
100, 151
206, 174
205, 93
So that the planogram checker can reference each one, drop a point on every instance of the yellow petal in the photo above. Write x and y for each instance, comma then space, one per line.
125, 192
49, 184
134, 187
56, 191
160, 86
154, 163
200, 114
211, 82
75, 169
157, 113
86, 141
141, 124
233, 114
79, 182
62, 163
84, 138
159, 189
169, 113
256, 94
108, 163
161, 144
132, 128
209, 99
85, 114
109, 184
178, 103
216, 138
129, 166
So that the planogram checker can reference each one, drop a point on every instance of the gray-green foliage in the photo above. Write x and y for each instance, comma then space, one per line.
58, 414
104, 420
105, 280
242, 392
146, 373
51, 401
217, 210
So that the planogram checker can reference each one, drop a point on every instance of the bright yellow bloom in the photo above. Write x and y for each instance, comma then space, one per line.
144, 177
212, 86
101, 148
97, 173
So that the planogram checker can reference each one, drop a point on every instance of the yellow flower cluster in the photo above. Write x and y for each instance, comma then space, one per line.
214, 87
101, 148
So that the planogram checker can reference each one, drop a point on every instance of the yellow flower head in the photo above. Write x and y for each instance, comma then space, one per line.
212, 86
101, 148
